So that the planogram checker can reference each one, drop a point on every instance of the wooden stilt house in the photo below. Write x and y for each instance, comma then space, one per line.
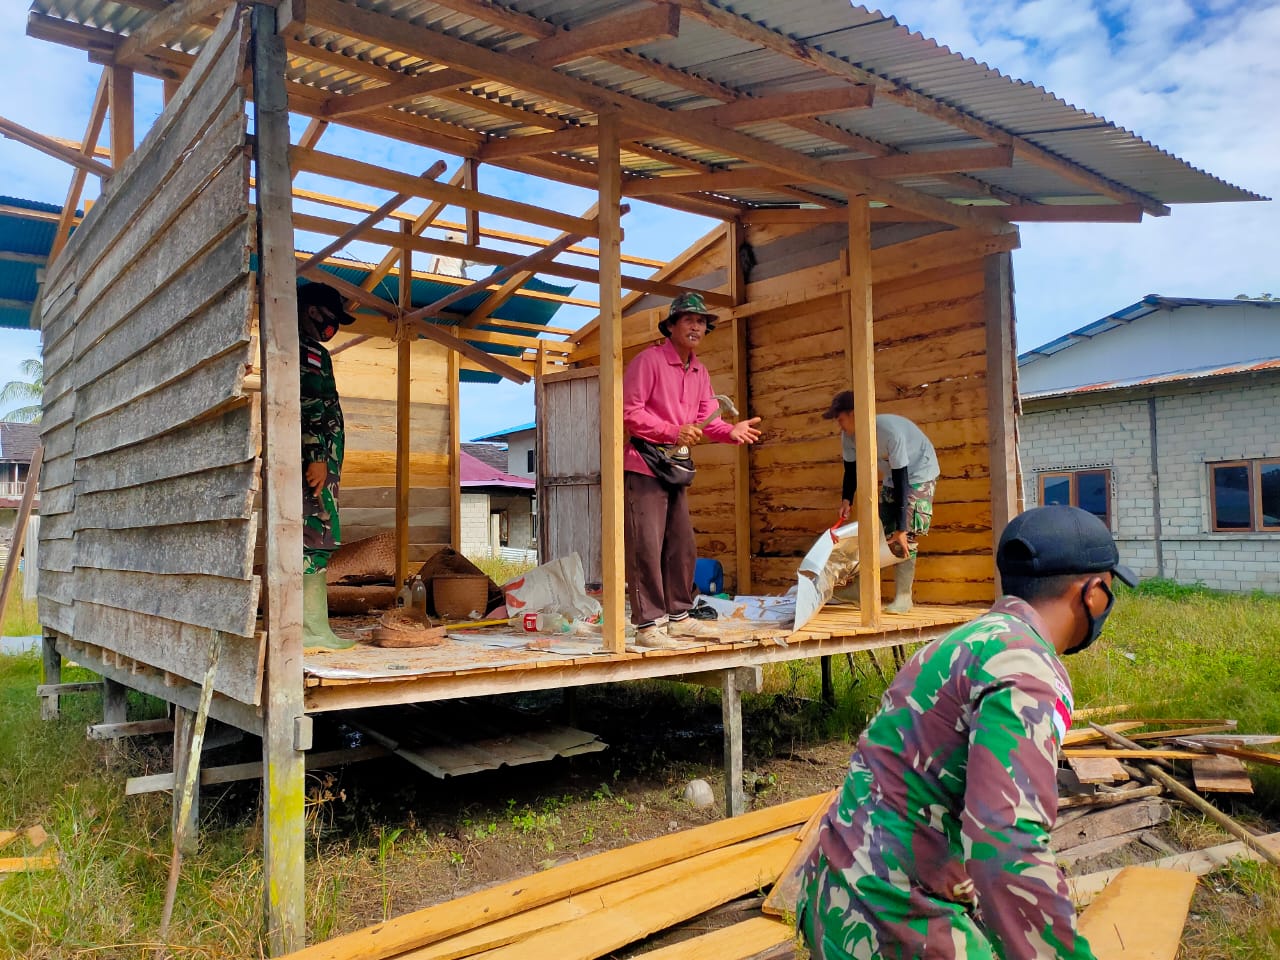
868, 184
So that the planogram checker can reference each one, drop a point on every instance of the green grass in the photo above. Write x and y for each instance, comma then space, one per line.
1170, 651
19, 615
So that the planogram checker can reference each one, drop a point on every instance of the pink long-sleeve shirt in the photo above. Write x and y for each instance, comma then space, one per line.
659, 395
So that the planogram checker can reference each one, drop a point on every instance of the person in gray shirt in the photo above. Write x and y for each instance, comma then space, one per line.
908, 468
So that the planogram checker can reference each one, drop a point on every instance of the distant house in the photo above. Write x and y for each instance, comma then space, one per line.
498, 513
17, 446
521, 444
1160, 419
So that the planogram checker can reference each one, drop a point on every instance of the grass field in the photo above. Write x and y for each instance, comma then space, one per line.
19, 619
1169, 651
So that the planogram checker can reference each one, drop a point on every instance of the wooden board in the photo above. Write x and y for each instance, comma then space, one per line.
738, 942
1140, 915
1098, 769
1110, 822
782, 899
1221, 775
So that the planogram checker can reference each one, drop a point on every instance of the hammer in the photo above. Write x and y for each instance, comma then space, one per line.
725, 407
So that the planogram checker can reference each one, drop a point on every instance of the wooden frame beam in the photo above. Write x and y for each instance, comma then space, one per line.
374, 217
629, 28
895, 91
501, 258
404, 361
88, 146
788, 106
344, 168
164, 27
282, 754
569, 138
438, 47
1072, 213
613, 567
47, 145
862, 346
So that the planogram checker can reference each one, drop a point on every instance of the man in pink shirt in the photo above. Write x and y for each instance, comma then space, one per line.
666, 394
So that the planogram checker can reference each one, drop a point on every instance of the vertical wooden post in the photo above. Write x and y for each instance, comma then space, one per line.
404, 358
613, 568
282, 768
1001, 402
115, 704
51, 672
92, 131
731, 715
471, 181
455, 450
862, 359
122, 137
735, 236
186, 832
170, 89
540, 450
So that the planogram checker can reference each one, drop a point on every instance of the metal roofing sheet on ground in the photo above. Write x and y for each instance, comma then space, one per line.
859, 36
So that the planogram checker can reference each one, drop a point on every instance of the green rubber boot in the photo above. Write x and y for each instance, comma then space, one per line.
904, 574
316, 634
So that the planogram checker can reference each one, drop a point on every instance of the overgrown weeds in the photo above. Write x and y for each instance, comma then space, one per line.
19, 618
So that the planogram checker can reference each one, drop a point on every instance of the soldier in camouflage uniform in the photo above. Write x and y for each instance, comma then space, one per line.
320, 313
938, 844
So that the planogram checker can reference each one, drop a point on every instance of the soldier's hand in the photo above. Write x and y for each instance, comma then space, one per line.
846, 508
314, 475
898, 544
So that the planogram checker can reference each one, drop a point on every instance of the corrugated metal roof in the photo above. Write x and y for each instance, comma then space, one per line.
504, 434
1176, 376
1148, 305
896, 59
26, 230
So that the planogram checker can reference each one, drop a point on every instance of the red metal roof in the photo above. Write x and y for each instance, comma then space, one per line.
476, 473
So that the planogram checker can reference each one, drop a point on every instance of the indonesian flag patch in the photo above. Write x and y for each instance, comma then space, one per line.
1061, 711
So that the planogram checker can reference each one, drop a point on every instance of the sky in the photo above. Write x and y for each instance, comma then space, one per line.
1199, 79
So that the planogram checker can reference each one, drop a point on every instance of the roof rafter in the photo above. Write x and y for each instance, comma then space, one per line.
441, 48
163, 27
788, 106
796, 49
626, 29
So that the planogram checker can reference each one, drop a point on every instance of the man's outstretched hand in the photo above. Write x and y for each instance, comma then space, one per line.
744, 431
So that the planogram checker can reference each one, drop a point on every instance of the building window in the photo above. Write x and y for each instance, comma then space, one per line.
1087, 489
529, 467
1244, 496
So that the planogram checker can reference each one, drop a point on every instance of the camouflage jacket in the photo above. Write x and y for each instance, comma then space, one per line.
322, 429
938, 844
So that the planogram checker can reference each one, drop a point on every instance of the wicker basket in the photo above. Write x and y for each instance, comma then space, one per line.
456, 596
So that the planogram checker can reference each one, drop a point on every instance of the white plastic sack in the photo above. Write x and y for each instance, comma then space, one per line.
830, 562
556, 587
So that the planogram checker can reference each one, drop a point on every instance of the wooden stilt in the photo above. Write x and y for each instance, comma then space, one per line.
283, 742
51, 673
828, 688
611, 438
115, 705
731, 712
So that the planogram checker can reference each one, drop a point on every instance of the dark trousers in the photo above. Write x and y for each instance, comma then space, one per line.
659, 549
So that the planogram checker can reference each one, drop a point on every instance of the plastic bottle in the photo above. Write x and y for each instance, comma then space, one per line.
404, 599
542, 623
418, 592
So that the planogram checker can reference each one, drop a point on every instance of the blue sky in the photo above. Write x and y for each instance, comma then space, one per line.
1199, 79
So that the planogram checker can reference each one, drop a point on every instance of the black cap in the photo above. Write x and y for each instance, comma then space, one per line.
842, 402
1057, 540
327, 298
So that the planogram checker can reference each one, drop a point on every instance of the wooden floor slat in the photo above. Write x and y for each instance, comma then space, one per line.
738, 942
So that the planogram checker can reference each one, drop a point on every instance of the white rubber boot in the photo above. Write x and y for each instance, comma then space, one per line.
904, 574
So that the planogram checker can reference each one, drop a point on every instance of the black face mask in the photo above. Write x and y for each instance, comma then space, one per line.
323, 331
1095, 623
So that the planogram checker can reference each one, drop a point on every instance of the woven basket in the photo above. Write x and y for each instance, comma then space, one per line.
457, 596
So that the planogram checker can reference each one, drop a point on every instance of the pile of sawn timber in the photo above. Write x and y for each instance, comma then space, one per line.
1123, 777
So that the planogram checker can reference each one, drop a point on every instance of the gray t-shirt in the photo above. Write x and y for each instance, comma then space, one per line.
899, 443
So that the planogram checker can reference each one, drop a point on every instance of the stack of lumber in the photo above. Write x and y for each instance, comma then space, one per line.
1122, 775
597, 906
34, 839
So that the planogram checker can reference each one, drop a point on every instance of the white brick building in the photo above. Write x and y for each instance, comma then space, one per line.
1162, 419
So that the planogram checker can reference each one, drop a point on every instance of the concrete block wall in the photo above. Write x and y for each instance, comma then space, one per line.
475, 525
1193, 429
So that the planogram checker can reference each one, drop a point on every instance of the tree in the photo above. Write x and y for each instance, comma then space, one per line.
26, 392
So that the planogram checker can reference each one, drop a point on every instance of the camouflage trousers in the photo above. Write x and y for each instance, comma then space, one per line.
321, 530
866, 917
919, 511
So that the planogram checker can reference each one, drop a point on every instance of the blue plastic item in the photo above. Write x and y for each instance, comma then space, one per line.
708, 576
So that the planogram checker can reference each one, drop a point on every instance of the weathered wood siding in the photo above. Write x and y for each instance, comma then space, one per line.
931, 367
151, 439
569, 468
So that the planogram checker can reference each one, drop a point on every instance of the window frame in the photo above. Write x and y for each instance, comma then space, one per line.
1254, 467
1073, 494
